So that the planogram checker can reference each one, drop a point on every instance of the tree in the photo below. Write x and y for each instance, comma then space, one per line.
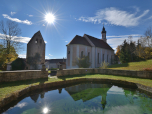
18, 64
118, 50
83, 62
34, 61
4, 56
10, 31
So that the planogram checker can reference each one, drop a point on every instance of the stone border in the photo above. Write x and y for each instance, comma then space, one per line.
9, 76
11, 97
128, 73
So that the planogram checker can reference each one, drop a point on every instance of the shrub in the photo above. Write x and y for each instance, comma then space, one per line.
104, 65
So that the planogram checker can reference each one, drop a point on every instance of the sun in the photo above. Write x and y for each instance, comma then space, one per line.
49, 18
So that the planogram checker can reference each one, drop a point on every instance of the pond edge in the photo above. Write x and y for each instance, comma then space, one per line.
13, 96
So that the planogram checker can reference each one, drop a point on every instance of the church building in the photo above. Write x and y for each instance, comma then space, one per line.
96, 49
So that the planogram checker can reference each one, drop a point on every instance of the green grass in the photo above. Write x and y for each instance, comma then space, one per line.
133, 65
11, 87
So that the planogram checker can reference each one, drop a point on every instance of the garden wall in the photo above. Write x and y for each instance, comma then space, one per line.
140, 74
8, 76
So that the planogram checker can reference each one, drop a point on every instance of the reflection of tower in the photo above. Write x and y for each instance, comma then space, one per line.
42, 94
103, 101
60, 90
34, 97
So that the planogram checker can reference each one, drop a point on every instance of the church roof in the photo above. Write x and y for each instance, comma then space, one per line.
99, 42
79, 40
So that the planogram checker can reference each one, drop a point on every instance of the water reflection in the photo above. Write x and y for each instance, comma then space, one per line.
89, 91
84, 98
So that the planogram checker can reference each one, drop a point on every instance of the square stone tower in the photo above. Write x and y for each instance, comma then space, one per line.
36, 45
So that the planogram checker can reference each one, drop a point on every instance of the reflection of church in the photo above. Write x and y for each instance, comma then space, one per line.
89, 91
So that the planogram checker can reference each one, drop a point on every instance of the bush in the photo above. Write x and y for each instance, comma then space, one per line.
18, 64
104, 65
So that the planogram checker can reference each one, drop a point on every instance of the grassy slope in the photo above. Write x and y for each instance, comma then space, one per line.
11, 87
133, 65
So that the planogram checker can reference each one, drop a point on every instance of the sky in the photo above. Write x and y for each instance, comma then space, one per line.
121, 18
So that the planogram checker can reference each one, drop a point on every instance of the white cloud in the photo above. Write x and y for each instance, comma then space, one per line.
43, 25
114, 41
30, 15
17, 20
50, 55
21, 105
22, 55
66, 41
18, 38
46, 57
115, 16
12, 13
150, 17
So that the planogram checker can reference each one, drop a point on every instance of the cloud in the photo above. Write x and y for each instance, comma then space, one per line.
150, 17
66, 41
115, 16
30, 15
43, 25
17, 20
21, 105
22, 55
12, 13
46, 57
114, 41
18, 38
50, 55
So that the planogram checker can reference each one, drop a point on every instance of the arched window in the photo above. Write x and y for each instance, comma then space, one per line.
98, 59
103, 57
89, 56
81, 54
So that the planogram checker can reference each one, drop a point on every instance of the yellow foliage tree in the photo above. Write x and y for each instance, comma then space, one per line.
118, 50
4, 56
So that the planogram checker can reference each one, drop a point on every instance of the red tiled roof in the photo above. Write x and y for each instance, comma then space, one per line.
99, 42
79, 40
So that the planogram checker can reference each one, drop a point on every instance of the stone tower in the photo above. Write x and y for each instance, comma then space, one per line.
36, 45
103, 34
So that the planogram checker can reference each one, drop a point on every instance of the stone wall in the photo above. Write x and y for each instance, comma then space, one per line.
140, 74
8, 76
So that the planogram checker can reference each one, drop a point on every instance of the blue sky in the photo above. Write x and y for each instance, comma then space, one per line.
121, 18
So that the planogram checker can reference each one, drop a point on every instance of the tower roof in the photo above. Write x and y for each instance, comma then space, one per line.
103, 30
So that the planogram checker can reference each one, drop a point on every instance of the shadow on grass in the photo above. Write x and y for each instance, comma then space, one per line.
23, 82
119, 65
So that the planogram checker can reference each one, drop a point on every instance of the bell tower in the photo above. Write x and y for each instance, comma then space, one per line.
103, 34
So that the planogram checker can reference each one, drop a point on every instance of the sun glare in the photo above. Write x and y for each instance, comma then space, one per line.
45, 110
49, 18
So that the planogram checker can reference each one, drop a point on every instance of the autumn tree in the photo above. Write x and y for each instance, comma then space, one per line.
10, 30
118, 50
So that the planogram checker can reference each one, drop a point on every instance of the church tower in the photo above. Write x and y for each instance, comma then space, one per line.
103, 34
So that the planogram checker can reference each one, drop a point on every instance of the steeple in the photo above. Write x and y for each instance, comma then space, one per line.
104, 34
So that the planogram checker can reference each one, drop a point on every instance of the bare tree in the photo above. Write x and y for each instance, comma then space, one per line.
147, 40
10, 31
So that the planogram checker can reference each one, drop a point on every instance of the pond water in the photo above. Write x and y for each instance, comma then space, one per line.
85, 98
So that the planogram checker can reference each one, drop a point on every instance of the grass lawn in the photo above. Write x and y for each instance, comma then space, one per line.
10, 87
133, 65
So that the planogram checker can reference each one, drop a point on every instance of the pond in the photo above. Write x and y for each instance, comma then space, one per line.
84, 98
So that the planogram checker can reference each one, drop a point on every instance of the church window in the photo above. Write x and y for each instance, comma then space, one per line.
103, 58
98, 58
89, 55
81, 54
107, 58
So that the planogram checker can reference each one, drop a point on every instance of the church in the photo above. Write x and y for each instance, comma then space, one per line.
96, 49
